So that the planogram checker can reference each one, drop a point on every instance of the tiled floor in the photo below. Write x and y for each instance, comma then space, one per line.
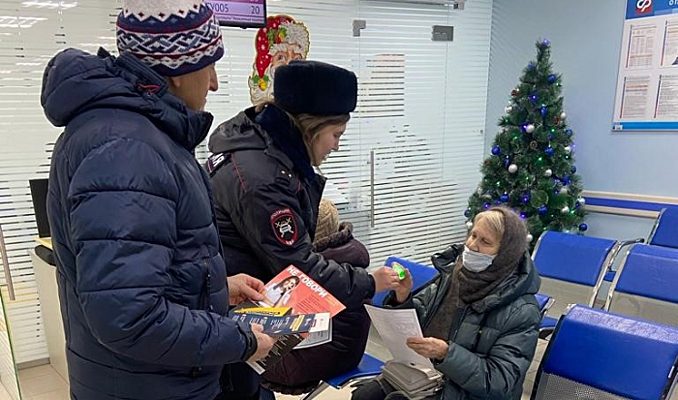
43, 383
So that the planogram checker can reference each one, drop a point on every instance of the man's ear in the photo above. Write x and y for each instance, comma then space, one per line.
174, 81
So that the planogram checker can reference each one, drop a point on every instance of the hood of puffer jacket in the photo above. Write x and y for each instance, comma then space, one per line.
75, 82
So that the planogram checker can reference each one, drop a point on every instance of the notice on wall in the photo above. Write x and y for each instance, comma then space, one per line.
647, 84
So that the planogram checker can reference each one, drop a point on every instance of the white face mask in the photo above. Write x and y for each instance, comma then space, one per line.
475, 261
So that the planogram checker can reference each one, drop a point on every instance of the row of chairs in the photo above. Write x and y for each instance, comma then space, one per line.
572, 268
593, 354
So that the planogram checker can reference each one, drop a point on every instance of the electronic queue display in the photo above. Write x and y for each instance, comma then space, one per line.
239, 13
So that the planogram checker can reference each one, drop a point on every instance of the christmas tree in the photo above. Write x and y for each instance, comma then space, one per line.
531, 168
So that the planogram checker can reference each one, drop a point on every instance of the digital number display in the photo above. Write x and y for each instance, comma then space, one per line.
242, 13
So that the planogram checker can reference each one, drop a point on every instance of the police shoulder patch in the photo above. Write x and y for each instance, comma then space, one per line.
284, 226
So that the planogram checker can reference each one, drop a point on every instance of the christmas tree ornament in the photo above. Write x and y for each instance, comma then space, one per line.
545, 43
565, 180
523, 215
515, 92
531, 66
525, 198
529, 238
533, 98
548, 173
568, 132
496, 150
563, 115
581, 200
479, 190
549, 151
504, 198
567, 149
542, 210
563, 190
529, 128
467, 213
565, 210
573, 169
486, 205
508, 109
552, 79
469, 225
513, 168
534, 145
544, 111
583, 227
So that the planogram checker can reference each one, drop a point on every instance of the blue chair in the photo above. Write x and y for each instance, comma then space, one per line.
597, 355
422, 275
646, 284
545, 302
665, 230
571, 269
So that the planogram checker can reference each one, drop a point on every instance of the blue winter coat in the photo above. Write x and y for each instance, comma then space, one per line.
141, 279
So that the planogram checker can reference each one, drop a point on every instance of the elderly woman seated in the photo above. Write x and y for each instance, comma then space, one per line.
480, 318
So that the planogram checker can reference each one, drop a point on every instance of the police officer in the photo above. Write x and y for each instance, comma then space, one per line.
266, 190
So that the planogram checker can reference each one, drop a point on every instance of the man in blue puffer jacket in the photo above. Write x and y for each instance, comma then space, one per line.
142, 283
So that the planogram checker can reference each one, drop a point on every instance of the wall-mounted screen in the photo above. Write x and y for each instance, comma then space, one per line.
240, 13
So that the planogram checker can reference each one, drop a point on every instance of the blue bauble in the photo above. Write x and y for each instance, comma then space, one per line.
565, 180
533, 98
544, 111
546, 43
549, 151
496, 150
531, 66
486, 205
525, 199
543, 210
552, 79
504, 198
523, 215
573, 169
467, 213
568, 131
507, 161
583, 227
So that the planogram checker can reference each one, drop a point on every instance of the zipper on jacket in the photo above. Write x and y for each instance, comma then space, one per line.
454, 328
205, 293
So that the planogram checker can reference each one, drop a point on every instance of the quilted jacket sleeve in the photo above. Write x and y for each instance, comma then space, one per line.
259, 212
122, 205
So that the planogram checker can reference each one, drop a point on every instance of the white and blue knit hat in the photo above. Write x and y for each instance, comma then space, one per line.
174, 37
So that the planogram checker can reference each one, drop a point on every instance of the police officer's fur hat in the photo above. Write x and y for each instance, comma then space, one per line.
313, 87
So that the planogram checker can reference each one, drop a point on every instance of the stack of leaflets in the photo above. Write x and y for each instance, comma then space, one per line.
296, 310
408, 372
415, 381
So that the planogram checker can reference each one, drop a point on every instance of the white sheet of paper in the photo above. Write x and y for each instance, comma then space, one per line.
394, 327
